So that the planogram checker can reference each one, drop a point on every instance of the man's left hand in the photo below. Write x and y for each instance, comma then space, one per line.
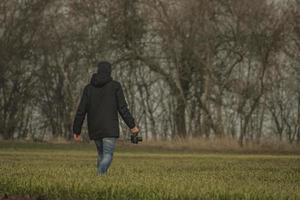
77, 137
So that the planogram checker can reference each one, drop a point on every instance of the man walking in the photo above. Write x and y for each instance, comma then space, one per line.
102, 100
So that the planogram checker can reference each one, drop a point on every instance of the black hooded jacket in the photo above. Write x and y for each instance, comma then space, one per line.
102, 100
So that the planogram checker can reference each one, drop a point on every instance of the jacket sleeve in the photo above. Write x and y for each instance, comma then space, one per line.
123, 108
81, 112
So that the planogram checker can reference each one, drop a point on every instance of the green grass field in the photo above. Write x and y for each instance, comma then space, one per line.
48, 171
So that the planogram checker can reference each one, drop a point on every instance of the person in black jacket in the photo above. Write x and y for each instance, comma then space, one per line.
102, 100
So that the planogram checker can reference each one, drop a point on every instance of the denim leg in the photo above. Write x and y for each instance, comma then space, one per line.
99, 145
106, 154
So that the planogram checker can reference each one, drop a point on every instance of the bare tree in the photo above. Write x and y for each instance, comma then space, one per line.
19, 24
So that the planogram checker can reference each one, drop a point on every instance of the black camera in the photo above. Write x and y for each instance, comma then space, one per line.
135, 139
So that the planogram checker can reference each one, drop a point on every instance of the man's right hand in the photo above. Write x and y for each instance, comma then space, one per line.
135, 130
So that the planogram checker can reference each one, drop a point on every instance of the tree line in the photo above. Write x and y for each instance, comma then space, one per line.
190, 68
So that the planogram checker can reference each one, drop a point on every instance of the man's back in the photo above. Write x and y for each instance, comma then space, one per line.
102, 99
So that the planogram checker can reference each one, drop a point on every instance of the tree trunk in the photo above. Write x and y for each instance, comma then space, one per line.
298, 121
180, 117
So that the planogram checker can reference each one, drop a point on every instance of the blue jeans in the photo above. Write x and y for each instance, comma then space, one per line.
105, 149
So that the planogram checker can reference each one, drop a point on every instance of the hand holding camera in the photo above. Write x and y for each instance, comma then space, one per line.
135, 139
135, 130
